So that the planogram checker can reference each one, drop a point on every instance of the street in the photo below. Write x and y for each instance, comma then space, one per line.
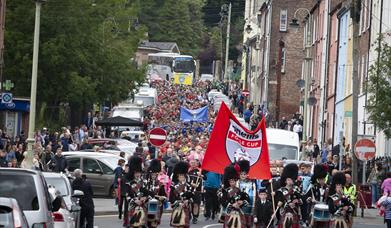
113, 221
106, 216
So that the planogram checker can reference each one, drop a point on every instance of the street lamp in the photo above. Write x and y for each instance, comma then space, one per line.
33, 95
294, 25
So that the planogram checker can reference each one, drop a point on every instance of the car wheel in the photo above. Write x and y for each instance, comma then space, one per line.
112, 192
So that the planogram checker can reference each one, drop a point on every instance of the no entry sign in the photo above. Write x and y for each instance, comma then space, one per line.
365, 149
157, 136
245, 92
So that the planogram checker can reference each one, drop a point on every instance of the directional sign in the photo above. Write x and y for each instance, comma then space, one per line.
365, 149
6, 98
157, 136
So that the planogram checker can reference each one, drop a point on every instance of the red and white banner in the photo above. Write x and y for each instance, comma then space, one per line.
230, 141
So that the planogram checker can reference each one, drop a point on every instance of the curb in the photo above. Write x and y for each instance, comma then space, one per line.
99, 213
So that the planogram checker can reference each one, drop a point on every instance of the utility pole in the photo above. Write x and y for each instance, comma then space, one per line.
2, 30
355, 15
33, 96
227, 46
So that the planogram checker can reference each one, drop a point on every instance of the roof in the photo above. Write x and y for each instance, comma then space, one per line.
119, 121
160, 46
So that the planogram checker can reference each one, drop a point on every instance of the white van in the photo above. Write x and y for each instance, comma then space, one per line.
283, 144
129, 111
146, 96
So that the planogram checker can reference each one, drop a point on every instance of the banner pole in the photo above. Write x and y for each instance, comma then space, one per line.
272, 193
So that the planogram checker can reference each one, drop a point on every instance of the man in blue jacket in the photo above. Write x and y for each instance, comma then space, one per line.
212, 183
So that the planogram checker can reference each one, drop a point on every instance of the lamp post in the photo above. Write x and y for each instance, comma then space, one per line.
307, 64
33, 95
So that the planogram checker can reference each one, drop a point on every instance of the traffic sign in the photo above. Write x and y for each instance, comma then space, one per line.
245, 92
6, 98
157, 136
365, 149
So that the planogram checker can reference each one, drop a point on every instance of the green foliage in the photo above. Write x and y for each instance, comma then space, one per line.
379, 89
85, 51
174, 21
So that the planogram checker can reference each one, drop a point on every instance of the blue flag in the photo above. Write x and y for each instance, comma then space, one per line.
197, 115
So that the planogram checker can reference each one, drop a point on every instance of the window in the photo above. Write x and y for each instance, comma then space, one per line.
73, 163
90, 166
283, 60
283, 20
362, 17
106, 170
368, 13
20, 187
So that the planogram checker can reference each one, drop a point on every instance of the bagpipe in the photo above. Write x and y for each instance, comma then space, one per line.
234, 216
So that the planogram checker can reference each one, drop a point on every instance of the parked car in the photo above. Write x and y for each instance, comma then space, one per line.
68, 216
11, 215
29, 188
114, 144
98, 168
134, 136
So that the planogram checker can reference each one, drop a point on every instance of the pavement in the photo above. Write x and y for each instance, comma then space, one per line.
106, 211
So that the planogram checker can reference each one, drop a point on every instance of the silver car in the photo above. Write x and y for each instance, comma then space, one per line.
98, 168
62, 184
29, 188
11, 215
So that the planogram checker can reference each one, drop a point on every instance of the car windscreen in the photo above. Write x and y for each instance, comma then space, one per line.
278, 152
59, 184
20, 187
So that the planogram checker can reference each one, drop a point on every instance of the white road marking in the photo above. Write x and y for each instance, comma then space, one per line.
105, 216
212, 225
162, 137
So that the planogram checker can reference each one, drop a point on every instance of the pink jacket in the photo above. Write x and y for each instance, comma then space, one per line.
386, 186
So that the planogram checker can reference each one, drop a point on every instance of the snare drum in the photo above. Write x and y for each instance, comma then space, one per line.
153, 207
321, 213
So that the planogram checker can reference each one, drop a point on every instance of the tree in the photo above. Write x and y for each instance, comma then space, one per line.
85, 53
379, 89
174, 21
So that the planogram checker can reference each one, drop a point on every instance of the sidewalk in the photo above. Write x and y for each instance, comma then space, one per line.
371, 217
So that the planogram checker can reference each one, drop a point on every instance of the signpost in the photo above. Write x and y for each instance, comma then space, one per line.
365, 150
6, 98
157, 137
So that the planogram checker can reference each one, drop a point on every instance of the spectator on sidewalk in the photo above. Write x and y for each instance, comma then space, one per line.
59, 162
3, 161
86, 201
283, 123
375, 177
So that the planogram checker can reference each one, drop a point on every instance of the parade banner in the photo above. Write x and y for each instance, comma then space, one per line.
230, 141
197, 115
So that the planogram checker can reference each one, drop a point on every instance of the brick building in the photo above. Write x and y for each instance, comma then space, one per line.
274, 55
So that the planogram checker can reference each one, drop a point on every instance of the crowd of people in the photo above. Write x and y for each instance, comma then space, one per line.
154, 179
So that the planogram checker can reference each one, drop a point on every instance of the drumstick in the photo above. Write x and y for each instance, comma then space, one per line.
274, 215
271, 186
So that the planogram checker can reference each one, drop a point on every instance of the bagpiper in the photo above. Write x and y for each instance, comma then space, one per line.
317, 196
180, 196
249, 187
195, 178
340, 206
157, 194
137, 194
289, 198
233, 199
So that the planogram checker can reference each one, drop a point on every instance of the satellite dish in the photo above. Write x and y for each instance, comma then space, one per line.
312, 101
300, 83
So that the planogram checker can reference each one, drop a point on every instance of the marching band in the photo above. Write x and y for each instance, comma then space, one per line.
243, 202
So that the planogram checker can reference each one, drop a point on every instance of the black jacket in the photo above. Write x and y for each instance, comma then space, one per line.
86, 201
263, 212
59, 163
